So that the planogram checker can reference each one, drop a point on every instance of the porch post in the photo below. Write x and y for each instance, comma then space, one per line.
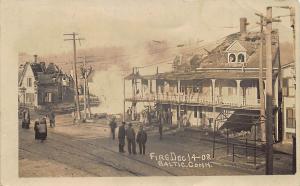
276, 113
265, 82
36, 101
178, 90
238, 90
213, 83
149, 87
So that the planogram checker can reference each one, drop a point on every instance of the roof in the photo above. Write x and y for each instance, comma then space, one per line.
46, 78
41, 74
21, 72
210, 75
133, 76
236, 47
234, 42
36, 68
217, 58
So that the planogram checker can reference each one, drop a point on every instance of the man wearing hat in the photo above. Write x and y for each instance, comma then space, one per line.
130, 133
121, 136
141, 139
113, 126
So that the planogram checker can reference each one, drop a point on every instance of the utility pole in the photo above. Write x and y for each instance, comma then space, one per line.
84, 85
269, 119
261, 81
74, 39
269, 94
124, 97
85, 72
292, 19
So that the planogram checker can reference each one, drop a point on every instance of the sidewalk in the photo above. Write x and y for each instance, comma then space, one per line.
286, 148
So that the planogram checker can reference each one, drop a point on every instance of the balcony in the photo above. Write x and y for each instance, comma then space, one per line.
200, 100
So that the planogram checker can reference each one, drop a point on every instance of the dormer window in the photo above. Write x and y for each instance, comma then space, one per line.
241, 57
236, 53
231, 58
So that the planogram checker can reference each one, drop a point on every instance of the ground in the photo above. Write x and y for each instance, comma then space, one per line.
87, 150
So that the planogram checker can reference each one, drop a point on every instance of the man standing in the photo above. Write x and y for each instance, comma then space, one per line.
26, 119
141, 139
42, 129
130, 133
113, 126
121, 136
52, 119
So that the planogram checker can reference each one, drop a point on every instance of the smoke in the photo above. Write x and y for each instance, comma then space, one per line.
108, 86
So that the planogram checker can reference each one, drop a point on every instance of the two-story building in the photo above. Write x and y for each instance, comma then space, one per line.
226, 80
41, 85
288, 79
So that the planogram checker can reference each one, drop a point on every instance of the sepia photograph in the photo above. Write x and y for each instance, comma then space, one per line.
152, 88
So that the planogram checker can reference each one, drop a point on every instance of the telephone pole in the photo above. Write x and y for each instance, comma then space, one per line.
269, 93
269, 119
85, 72
261, 81
74, 39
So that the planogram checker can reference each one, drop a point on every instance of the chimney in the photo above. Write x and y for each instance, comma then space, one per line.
35, 58
243, 25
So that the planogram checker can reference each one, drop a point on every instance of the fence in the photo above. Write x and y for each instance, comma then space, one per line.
239, 147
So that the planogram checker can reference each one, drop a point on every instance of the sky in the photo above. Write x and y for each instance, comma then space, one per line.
130, 23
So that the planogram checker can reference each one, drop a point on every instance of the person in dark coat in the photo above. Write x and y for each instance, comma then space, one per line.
36, 130
130, 134
113, 126
52, 119
141, 139
121, 137
42, 129
26, 119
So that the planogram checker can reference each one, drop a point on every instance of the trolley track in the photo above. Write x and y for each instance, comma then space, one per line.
85, 152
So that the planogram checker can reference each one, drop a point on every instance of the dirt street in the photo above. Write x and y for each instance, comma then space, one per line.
87, 150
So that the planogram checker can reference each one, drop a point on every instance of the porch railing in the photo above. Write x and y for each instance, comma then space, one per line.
198, 99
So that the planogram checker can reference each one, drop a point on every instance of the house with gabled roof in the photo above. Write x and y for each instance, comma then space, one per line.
225, 82
43, 85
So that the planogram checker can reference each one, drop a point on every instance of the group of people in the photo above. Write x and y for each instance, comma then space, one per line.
40, 126
130, 135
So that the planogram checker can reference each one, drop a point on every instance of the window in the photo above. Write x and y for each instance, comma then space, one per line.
241, 58
195, 112
288, 88
29, 97
291, 87
290, 118
231, 58
200, 112
29, 82
48, 97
